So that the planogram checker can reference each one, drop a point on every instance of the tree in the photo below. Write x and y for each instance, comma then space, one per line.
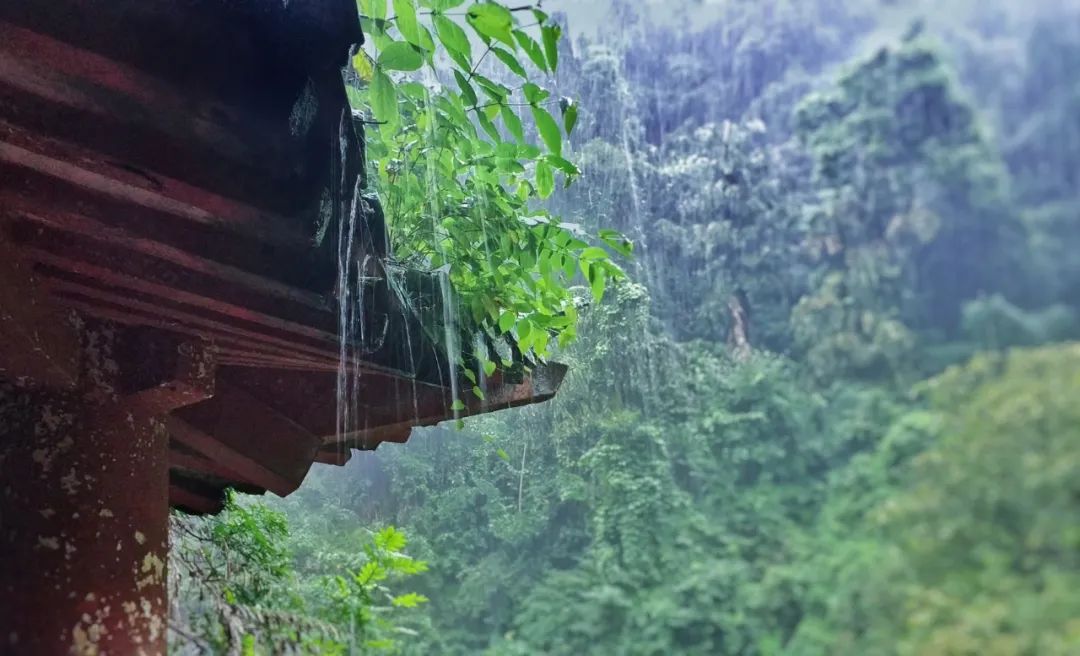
910, 222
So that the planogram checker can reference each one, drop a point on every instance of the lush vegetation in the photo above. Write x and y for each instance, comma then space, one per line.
830, 409
459, 171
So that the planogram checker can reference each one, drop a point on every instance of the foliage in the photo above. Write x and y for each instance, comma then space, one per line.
458, 169
908, 215
987, 518
235, 588
973, 551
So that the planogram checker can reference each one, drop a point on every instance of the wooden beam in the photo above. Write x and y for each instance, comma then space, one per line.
334, 455
193, 381
196, 463
37, 343
244, 463
248, 436
389, 421
57, 88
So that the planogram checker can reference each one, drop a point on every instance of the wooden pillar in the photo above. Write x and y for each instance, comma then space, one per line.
83, 527
84, 496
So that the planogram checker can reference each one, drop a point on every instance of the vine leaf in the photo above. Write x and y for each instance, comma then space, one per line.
405, 15
549, 129
511, 61
512, 122
454, 39
532, 49
569, 113
545, 179
400, 56
383, 97
493, 21
551, 35
467, 92
362, 65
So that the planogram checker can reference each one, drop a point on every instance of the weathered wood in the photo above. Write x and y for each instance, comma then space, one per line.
83, 516
174, 373
59, 89
239, 459
181, 460
37, 342
254, 438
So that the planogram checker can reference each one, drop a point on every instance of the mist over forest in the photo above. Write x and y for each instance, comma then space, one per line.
830, 408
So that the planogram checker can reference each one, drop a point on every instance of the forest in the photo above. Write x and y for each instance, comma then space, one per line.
827, 404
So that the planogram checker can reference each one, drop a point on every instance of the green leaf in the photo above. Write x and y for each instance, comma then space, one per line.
371, 571
593, 253
453, 38
494, 90
390, 539
549, 130
551, 35
492, 20
506, 321
409, 600
545, 179
405, 16
400, 56
373, 8
441, 5
570, 114
458, 405
532, 49
510, 60
427, 43
503, 454
534, 94
617, 241
362, 65
477, 392
466, 89
512, 122
524, 329
564, 165
597, 280
383, 97
487, 125
489, 366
